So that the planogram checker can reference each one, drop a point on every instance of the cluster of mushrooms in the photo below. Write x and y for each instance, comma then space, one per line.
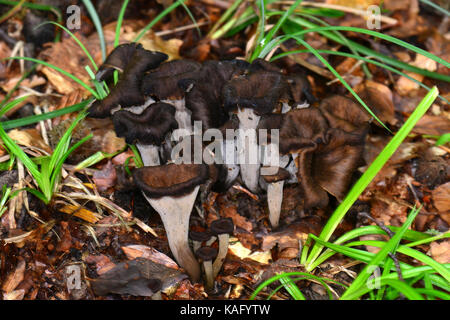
319, 148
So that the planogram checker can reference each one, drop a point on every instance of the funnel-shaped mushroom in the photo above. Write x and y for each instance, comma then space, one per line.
198, 237
327, 157
148, 129
222, 228
171, 190
252, 95
343, 113
203, 91
118, 59
127, 92
162, 83
207, 255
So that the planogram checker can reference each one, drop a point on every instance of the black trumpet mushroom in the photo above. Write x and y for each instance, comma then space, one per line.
162, 84
325, 157
148, 129
252, 95
127, 91
222, 228
207, 255
171, 190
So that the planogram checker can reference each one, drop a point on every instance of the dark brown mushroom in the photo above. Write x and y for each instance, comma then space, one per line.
207, 255
327, 157
198, 237
162, 83
148, 129
222, 228
118, 59
171, 190
343, 113
127, 91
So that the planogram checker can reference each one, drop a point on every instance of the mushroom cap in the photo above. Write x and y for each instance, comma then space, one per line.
302, 128
118, 59
222, 225
203, 91
163, 81
206, 253
328, 167
173, 180
149, 127
199, 235
269, 122
259, 90
281, 175
343, 113
127, 91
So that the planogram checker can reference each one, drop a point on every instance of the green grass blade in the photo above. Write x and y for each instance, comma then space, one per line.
437, 7
349, 55
74, 37
268, 38
12, 147
12, 104
67, 74
389, 247
158, 18
120, 21
48, 115
98, 26
445, 138
291, 288
370, 173
342, 80
369, 52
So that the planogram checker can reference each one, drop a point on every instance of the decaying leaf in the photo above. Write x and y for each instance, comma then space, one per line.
140, 251
440, 251
81, 213
441, 197
240, 251
29, 138
14, 278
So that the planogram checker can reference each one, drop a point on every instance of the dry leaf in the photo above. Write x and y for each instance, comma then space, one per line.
81, 213
441, 197
29, 138
242, 252
15, 277
432, 125
106, 177
238, 220
440, 251
140, 251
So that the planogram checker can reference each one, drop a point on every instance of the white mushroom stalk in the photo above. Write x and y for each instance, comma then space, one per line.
247, 146
230, 160
182, 114
221, 255
177, 229
273, 161
208, 267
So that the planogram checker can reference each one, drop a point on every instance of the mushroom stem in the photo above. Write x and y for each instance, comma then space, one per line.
248, 146
230, 160
149, 154
208, 267
223, 250
182, 114
175, 213
274, 200
157, 296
